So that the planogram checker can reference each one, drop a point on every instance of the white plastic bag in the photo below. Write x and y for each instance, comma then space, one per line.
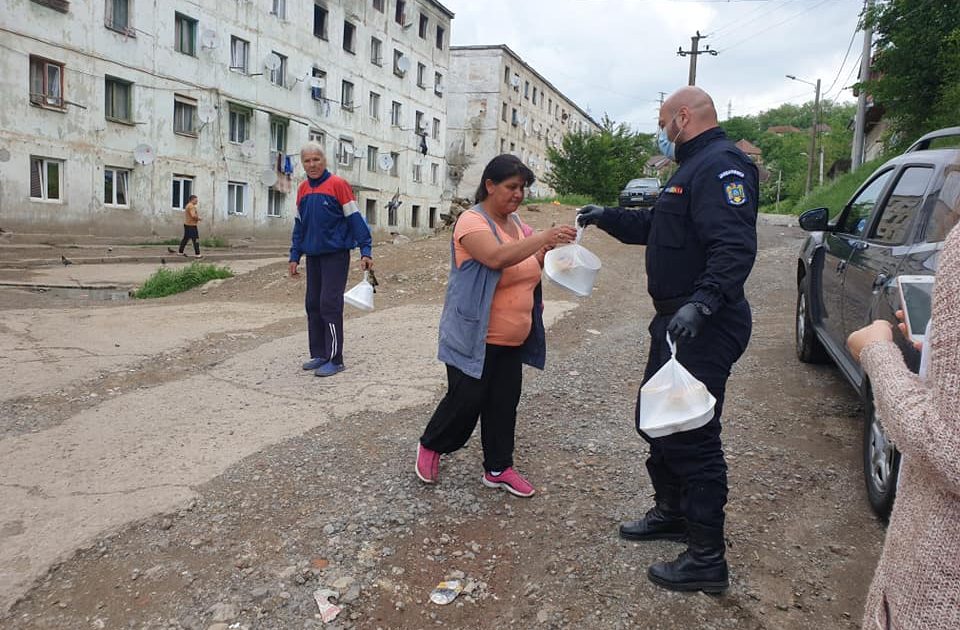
673, 400
573, 266
361, 295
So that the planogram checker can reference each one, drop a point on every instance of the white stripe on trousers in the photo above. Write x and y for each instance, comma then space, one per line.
333, 341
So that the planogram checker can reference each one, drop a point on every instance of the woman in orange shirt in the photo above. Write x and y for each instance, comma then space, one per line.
491, 325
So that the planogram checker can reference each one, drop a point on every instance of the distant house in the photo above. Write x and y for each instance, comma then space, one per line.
755, 153
783, 129
658, 165
823, 128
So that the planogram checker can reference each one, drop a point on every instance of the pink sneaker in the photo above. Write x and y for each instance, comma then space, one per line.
428, 464
511, 481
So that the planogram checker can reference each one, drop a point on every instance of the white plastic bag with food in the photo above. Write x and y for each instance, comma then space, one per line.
673, 400
361, 295
573, 266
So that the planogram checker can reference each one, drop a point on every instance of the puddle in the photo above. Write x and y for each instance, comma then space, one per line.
106, 294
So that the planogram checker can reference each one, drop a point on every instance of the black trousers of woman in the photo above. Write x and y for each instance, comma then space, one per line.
492, 399
190, 232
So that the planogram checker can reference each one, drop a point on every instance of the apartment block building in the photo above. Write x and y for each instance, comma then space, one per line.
498, 104
113, 112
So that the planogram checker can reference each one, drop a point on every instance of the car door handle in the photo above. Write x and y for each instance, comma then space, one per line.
880, 281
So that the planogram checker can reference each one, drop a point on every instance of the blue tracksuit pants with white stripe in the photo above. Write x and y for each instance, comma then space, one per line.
326, 282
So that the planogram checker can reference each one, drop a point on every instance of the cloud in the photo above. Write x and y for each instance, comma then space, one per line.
616, 56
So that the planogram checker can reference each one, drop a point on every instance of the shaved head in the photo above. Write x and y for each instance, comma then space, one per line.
687, 113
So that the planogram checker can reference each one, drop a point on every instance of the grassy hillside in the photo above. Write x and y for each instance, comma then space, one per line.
832, 195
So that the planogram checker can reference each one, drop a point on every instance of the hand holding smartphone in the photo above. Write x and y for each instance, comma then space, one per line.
916, 298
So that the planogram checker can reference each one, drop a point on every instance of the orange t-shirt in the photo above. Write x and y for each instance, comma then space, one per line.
511, 314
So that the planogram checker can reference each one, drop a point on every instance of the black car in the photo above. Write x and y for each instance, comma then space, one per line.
640, 192
894, 225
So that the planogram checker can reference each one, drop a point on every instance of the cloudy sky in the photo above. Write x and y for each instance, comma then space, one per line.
616, 56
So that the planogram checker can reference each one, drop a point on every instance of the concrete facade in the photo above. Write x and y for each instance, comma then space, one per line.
498, 104
85, 82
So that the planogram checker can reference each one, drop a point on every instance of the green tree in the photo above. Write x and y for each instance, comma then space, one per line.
598, 164
917, 65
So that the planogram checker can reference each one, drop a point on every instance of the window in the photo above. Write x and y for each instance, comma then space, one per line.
503, 112
946, 211
376, 51
378, 5
400, 16
396, 113
502, 145
515, 82
514, 118
236, 198
437, 83
549, 105
433, 218
397, 56
513, 148
424, 20
417, 172
279, 9
534, 95
278, 76
118, 16
239, 55
115, 182
319, 137
46, 82
345, 152
316, 93
415, 216
374, 106
319, 21
184, 115
239, 125
182, 189
349, 37
395, 169
440, 33
903, 204
434, 174
421, 75
46, 178
858, 211
185, 35
346, 95
506, 75
526, 90
372, 159
391, 215
420, 126
436, 128
370, 212
275, 202
278, 135
116, 99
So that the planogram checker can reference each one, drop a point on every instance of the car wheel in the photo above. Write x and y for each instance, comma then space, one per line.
881, 461
809, 348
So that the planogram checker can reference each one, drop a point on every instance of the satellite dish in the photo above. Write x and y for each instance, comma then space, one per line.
268, 177
272, 61
247, 148
209, 38
143, 154
403, 63
358, 152
385, 162
317, 83
206, 112
534, 191
438, 88
515, 81
4, 155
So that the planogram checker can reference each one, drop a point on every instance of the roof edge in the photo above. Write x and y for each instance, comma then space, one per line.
447, 11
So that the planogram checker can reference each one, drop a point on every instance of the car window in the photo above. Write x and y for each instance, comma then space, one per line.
946, 210
902, 205
857, 213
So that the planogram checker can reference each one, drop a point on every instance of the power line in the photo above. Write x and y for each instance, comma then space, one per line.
780, 23
740, 23
853, 36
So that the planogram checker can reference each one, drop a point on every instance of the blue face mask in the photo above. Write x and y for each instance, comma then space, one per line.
667, 146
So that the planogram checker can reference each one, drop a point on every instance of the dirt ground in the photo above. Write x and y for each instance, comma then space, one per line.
168, 465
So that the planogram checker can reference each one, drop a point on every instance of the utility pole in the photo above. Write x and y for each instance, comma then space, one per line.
695, 52
821, 162
860, 123
811, 154
779, 179
729, 109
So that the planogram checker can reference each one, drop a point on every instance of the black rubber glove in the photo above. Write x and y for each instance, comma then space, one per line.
686, 322
589, 215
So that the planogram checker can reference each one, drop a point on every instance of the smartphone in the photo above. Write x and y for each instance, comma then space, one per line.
916, 298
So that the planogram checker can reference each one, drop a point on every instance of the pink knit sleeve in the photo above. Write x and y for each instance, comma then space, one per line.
923, 417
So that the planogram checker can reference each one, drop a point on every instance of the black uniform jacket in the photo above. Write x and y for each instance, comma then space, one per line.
701, 235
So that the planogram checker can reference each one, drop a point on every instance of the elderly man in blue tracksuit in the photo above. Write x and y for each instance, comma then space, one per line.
327, 226
701, 240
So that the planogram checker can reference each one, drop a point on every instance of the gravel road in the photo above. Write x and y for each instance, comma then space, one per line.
339, 507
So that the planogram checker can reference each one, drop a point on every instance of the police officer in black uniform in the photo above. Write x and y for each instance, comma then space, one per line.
701, 243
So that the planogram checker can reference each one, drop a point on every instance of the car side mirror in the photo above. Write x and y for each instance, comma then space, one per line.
816, 220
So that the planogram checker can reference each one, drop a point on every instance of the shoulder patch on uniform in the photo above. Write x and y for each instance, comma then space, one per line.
735, 193
730, 172
673, 190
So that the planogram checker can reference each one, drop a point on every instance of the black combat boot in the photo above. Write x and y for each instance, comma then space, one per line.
663, 521
701, 567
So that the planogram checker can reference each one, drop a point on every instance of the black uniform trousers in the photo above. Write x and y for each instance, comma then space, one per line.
688, 469
492, 399
326, 281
